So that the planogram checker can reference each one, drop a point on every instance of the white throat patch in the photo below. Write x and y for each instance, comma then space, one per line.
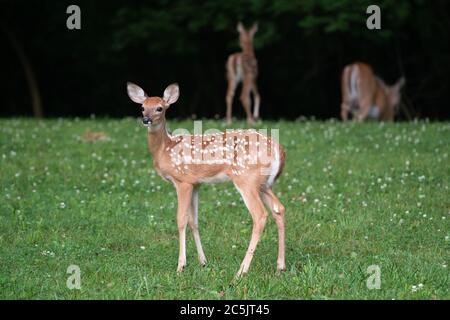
154, 127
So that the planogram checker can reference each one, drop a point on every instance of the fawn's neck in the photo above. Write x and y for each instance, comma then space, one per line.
248, 50
157, 138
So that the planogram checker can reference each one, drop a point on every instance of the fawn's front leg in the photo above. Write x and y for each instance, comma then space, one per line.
184, 193
193, 223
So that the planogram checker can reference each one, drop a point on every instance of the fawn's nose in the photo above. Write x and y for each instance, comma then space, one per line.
146, 120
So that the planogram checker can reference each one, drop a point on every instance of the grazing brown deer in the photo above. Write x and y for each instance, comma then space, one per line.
248, 158
365, 95
243, 67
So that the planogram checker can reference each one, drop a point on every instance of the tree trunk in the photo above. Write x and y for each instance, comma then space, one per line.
33, 87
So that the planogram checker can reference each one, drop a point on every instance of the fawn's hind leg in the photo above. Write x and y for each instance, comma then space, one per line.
278, 210
253, 201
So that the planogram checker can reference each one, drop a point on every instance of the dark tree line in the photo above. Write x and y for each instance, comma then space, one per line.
301, 47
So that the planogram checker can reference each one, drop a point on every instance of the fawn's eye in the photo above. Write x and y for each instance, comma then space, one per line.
142, 109
159, 109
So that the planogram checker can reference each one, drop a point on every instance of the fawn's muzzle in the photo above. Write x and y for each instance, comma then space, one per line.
146, 120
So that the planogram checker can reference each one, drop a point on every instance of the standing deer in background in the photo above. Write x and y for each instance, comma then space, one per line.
248, 158
243, 67
367, 96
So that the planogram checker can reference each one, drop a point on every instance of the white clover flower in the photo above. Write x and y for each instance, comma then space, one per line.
48, 253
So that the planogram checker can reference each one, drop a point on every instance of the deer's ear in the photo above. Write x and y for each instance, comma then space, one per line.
240, 27
136, 93
171, 93
401, 82
254, 28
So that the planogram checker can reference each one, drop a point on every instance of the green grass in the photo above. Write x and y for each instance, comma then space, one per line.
375, 195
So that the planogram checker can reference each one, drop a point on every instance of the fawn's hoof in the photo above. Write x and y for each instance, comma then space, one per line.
242, 271
180, 268
280, 270
281, 266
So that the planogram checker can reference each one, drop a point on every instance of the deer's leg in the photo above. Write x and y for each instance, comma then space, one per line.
390, 116
232, 84
345, 109
278, 210
245, 98
257, 98
184, 192
364, 109
346, 88
229, 98
193, 224
254, 204
387, 112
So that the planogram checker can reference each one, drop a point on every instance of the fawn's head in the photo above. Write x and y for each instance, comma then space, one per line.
246, 36
153, 108
394, 93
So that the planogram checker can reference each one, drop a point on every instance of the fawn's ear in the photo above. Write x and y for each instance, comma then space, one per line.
253, 30
171, 93
136, 93
240, 27
401, 82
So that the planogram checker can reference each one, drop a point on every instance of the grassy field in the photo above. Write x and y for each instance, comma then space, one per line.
356, 195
